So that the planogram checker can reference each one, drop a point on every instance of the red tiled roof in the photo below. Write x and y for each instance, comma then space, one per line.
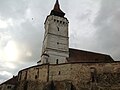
86, 56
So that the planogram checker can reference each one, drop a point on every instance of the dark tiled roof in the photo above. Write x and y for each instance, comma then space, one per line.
86, 56
57, 7
57, 11
11, 81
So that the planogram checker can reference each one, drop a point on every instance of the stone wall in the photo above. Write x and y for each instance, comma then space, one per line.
83, 76
59, 72
34, 73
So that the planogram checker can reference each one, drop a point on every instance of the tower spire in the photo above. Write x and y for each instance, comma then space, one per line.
57, 6
56, 10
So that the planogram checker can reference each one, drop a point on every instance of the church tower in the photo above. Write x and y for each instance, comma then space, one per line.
55, 47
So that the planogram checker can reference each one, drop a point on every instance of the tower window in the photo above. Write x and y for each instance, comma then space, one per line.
57, 61
57, 42
46, 60
58, 28
60, 21
63, 22
54, 20
57, 20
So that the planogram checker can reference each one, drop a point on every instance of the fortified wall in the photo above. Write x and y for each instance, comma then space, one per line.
72, 76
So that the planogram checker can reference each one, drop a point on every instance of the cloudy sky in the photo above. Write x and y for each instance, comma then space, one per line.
94, 26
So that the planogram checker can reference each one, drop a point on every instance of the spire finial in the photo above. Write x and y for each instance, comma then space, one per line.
57, 2
57, 6
56, 10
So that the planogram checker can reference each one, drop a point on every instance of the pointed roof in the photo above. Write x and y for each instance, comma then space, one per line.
56, 10
57, 7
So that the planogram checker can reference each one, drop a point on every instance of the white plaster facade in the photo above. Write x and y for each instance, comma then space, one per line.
56, 40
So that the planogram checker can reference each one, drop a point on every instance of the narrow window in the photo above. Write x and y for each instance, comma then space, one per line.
57, 61
36, 76
37, 72
25, 75
60, 21
54, 20
59, 73
8, 87
93, 74
58, 28
47, 60
92, 77
57, 42
57, 20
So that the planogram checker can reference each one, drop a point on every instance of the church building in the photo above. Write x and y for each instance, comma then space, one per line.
64, 68
56, 49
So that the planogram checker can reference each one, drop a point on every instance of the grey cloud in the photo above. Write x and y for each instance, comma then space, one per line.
27, 33
3, 78
30, 36
107, 24
4, 74
13, 8
4, 37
